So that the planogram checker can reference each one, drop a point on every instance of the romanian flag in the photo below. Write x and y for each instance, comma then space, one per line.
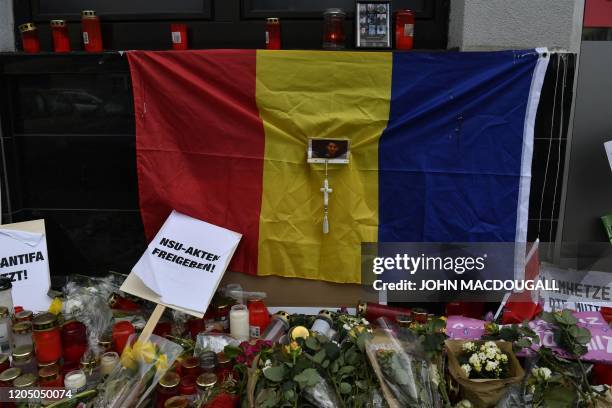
440, 149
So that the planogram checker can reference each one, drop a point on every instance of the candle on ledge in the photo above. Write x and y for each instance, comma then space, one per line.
239, 322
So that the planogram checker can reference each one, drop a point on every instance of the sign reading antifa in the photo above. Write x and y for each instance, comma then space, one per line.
23, 260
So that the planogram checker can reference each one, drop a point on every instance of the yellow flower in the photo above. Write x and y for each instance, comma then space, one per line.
127, 358
162, 363
292, 349
144, 351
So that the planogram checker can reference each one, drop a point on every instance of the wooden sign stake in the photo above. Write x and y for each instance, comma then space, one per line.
152, 322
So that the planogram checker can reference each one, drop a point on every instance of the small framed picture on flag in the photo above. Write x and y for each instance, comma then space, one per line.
328, 150
373, 24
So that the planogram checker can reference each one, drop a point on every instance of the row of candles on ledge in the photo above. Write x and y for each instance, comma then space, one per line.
333, 36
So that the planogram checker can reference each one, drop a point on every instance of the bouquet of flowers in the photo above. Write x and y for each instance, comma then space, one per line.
143, 363
483, 361
483, 370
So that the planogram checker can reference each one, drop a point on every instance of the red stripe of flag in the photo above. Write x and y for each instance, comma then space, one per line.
200, 141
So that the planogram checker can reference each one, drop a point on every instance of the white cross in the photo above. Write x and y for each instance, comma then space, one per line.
325, 190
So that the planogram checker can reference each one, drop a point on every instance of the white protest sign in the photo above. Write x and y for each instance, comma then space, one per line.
608, 147
24, 259
578, 290
185, 262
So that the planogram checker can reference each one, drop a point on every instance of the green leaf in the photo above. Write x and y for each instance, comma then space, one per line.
312, 344
325, 364
548, 317
290, 395
345, 388
307, 378
346, 370
276, 373
362, 385
559, 397
319, 357
231, 351
267, 398
580, 334
565, 317
332, 350
335, 367
523, 343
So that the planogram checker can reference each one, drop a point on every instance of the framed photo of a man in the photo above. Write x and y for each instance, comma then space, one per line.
373, 24
330, 150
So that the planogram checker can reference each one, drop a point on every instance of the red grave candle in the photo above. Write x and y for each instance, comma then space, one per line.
121, 333
259, 317
179, 36
92, 34
46, 337
59, 32
273, 40
333, 29
188, 385
372, 311
404, 30
74, 340
29, 38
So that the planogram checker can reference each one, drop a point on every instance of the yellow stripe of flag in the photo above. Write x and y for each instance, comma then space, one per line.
302, 95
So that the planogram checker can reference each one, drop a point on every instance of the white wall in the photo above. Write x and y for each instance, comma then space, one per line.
505, 24
7, 36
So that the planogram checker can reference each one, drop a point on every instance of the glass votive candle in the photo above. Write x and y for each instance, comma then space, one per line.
5, 363
273, 35
27, 380
224, 367
206, 383
31, 44
404, 30
239, 322
8, 376
188, 385
179, 401
5, 331
23, 358
122, 331
190, 366
333, 29
74, 340
61, 39
167, 388
75, 381
92, 34
105, 342
179, 36
47, 339
50, 377
89, 365
108, 362
23, 316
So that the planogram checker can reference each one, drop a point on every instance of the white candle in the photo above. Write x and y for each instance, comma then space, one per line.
75, 381
108, 361
239, 322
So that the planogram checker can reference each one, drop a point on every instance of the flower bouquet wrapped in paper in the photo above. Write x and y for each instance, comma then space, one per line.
403, 372
483, 370
143, 363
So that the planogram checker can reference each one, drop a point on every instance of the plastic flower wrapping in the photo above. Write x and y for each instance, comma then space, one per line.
142, 365
410, 379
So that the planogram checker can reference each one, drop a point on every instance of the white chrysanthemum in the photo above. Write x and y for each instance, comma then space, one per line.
531, 389
469, 346
482, 356
545, 373
503, 358
491, 365
474, 359
346, 327
464, 404
491, 354
477, 367
490, 345
467, 369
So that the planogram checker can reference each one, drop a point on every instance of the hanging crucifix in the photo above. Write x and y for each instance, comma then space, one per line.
327, 151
